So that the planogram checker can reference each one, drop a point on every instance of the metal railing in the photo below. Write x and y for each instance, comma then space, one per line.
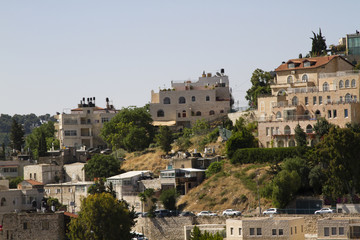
339, 74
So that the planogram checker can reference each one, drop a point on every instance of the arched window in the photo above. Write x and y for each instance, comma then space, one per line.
348, 98
291, 143
287, 130
289, 79
198, 113
294, 101
212, 112
280, 144
193, 98
207, 98
160, 113
167, 100
183, 113
347, 83
353, 83
305, 78
182, 100
341, 84
278, 115
317, 113
3, 202
325, 87
309, 129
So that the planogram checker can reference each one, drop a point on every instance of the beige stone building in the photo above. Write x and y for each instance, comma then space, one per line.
68, 193
304, 90
339, 228
188, 101
44, 173
289, 228
81, 127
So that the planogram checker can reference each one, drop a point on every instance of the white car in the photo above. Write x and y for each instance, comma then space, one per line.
231, 212
324, 210
206, 213
271, 211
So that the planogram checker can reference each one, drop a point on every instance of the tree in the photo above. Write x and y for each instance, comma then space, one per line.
41, 139
200, 127
148, 200
130, 129
300, 136
55, 202
99, 187
240, 138
285, 186
168, 199
214, 168
16, 135
197, 235
164, 138
102, 166
338, 154
260, 81
322, 127
299, 165
102, 217
318, 44
13, 182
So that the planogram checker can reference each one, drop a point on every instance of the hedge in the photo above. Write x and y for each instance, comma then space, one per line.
264, 155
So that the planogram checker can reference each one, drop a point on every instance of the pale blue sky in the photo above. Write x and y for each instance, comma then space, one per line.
53, 53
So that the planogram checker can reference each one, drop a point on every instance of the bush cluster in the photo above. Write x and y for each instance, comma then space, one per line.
263, 155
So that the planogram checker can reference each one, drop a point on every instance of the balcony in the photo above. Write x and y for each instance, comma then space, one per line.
339, 74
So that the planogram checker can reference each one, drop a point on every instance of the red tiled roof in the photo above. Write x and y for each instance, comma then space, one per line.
317, 62
69, 214
33, 182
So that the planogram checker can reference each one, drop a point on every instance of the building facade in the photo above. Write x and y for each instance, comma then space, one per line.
303, 91
338, 228
186, 101
44, 173
290, 228
81, 127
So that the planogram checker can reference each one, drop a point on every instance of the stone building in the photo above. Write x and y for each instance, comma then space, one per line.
339, 228
36, 226
303, 91
186, 101
81, 127
289, 228
14, 168
45, 173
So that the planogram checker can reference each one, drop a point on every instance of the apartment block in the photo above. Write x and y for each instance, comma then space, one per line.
188, 101
339, 228
303, 91
81, 127
290, 228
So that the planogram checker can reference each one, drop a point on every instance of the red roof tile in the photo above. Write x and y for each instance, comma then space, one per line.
33, 182
317, 62
69, 214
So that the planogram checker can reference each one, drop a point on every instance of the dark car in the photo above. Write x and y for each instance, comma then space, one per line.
174, 213
162, 213
186, 214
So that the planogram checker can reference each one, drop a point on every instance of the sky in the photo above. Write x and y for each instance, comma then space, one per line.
54, 53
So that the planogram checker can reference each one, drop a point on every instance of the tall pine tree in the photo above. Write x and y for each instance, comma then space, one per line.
17, 135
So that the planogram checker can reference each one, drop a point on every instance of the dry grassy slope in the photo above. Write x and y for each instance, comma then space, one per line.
149, 161
235, 188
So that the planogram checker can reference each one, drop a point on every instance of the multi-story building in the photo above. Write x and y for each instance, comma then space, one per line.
81, 127
339, 228
186, 101
44, 173
266, 228
304, 90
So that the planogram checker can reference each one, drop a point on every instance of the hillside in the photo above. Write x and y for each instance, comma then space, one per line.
235, 187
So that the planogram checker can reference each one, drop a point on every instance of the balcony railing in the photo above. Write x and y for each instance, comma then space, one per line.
303, 90
339, 74
289, 118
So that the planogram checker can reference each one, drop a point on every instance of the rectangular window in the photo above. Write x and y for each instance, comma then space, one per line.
334, 113
35, 176
333, 231
274, 232
328, 99
231, 231
346, 114
96, 121
302, 228
272, 131
295, 230
240, 231
314, 100
45, 225
329, 113
281, 232
103, 120
58, 190
341, 230
252, 231
258, 231
320, 99
70, 132
291, 230
326, 231
267, 131
25, 225
306, 101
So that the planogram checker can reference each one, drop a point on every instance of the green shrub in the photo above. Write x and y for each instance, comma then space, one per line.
263, 155
214, 167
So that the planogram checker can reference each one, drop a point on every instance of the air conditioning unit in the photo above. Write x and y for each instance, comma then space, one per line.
292, 72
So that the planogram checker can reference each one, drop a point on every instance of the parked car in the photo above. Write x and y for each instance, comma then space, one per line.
231, 212
174, 213
324, 210
206, 213
162, 213
138, 236
271, 211
106, 151
186, 214
141, 214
